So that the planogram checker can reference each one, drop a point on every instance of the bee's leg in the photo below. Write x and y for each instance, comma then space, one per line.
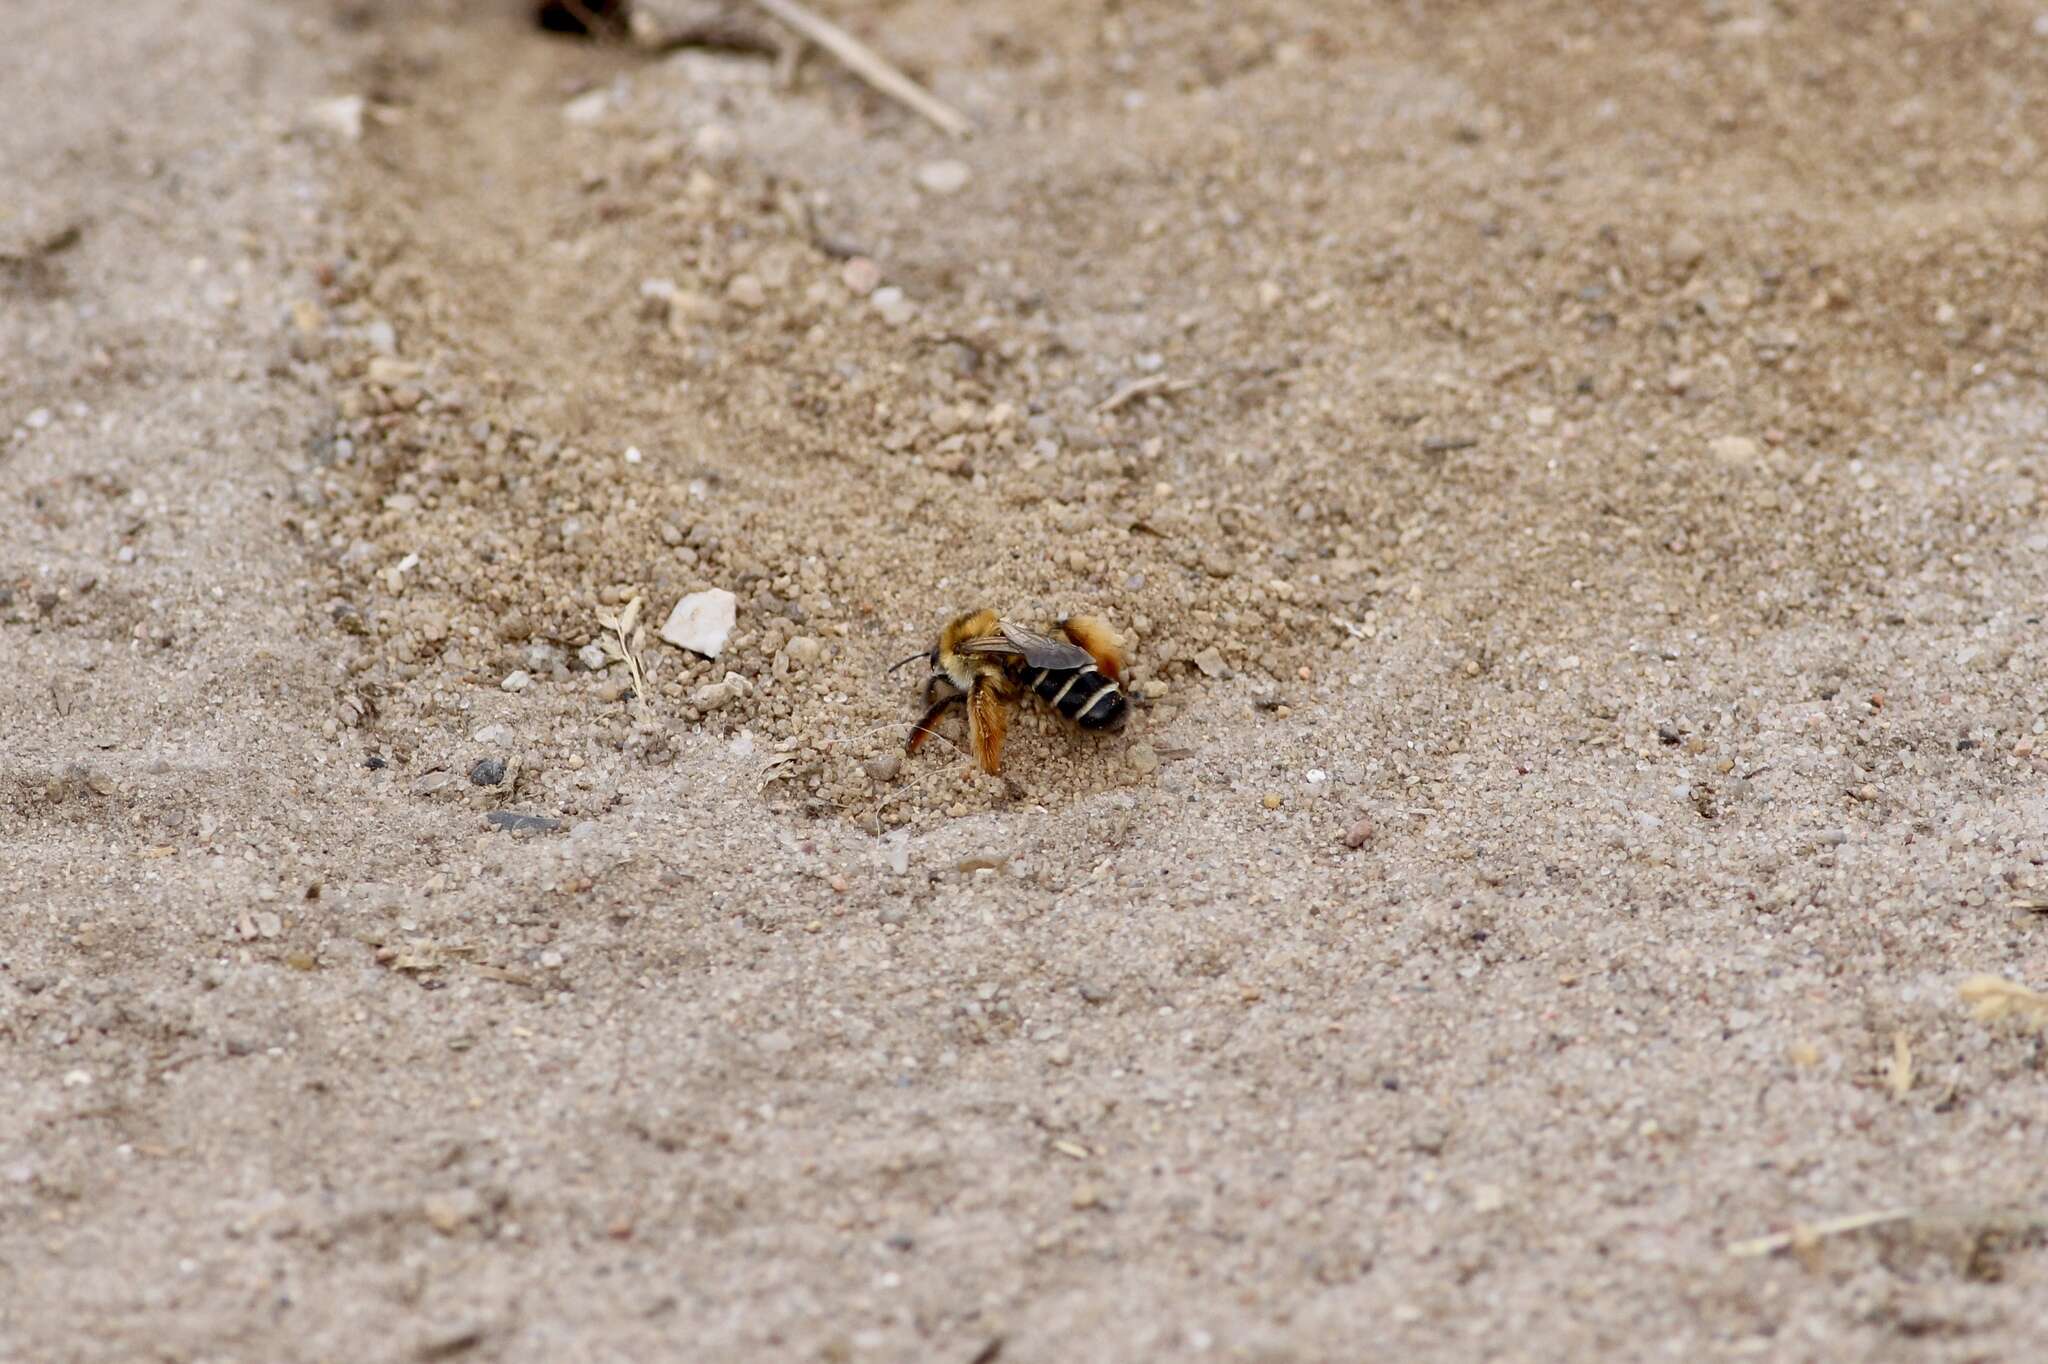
934, 683
929, 725
988, 719
1095, 636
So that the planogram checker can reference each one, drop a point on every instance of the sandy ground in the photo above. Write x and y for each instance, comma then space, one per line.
1590, 454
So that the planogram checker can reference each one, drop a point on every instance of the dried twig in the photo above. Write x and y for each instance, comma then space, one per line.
1444, 445
596, 25
1812, 1233
866, 63
509, 977
1135, 389
1138, 388
1160, 383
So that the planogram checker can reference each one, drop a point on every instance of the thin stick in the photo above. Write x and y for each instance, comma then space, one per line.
1136, 388
864, 62
592, 25
1151, 383
1807, 1235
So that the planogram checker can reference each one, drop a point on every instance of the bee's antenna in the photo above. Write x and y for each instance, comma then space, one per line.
921, 653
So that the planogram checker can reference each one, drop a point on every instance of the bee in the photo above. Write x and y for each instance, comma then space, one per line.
989, 663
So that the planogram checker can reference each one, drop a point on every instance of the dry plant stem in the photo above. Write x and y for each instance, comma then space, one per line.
864, 62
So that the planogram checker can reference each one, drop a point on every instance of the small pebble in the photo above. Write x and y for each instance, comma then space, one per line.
517, 681
593, 658
943, 177
1735, 451
513, 822
1211, 663
883, 767
1144, 758
1273, 802
1685, 249
715, 142
340, 117
838, 883
861, 276
447, 1212
717, 695
895, 309
587, 108
1359, 834
487, 772
747, 291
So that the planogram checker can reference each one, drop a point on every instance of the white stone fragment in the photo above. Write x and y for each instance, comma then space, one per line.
702, 621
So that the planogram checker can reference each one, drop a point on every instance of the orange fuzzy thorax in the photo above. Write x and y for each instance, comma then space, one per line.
968, 625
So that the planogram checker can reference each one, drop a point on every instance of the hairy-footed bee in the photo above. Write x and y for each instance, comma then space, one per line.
989, 663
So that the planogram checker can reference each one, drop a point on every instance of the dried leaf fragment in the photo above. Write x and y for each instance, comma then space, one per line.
1899, 1076
1992, 998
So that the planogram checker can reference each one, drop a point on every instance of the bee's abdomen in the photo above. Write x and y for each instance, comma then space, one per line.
1083, 695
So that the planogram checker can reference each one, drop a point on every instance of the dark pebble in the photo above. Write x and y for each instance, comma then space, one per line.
374, 763
488, 771
512, 822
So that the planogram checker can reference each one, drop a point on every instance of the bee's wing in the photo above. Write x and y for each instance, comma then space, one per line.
1037, 651
989, 644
